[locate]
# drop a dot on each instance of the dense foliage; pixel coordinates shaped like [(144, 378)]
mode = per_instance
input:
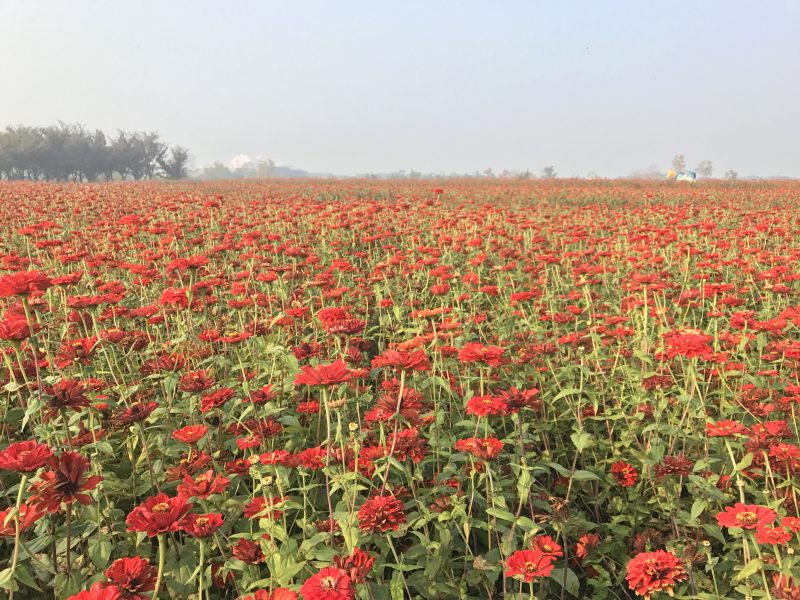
[(71, 152), (346, 390)]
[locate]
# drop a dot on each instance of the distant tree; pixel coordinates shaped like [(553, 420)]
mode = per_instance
[(679, 162), (549, 172), (705, 168), (217, 171), (265, 168), (731, 175), (174, 167), (526, 174)]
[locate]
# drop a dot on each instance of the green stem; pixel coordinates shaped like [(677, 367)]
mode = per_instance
[(160, 565), (202, 568), (17, 529)]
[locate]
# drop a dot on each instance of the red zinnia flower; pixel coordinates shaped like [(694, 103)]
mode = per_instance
[(746, 516), (357, 565), (28, 515), (381, 513), (690, 343), (25, 457), (658, 571), (66, 483), (483, 448), (158, 514), (190, 434), (248, 551), (203, 486), (403, 360), (276, 594), (772, 535), (201, 526), (134, 576), (99, 591), (530, 564), (625, 474), (24, 283), (332, 374), (328, 584), (547, 546), (475, 352), (725, 428), (485, 406)]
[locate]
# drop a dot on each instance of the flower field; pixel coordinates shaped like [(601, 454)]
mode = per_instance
[(389, 390)]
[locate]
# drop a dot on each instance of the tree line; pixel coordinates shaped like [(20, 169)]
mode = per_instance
[(70, 152)]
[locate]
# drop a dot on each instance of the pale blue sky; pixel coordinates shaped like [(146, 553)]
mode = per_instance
[(351, 87)]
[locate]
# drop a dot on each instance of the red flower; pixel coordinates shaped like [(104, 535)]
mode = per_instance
[(381, 513), (483, 448), (585, 544), (725, 428), (690, 343), (357, 565), (332, 374), (23, 283), (746, 516), (529, 564), (474, 352), (277, 594), (658, 571), (158, 514), (203, 486), (485, 406), (99, 591), (25, 457), (403, 360), (201, 526), (248, 551), (66, 483), (29, 514), (625, 474), (328, 584), (772, 535), (190, 434), (547, 546), (134, 576)]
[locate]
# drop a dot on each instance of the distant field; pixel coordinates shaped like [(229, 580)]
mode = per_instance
[(355, 389)]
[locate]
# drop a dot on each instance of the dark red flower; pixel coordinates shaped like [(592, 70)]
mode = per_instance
[(134, 576), (381, 514), (66, 483), (28, 514)]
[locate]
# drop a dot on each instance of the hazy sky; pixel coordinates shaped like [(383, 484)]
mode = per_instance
[(351, 87)]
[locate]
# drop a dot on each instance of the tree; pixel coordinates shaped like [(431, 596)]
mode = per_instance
[(731, 175), (549, 172), (175, 166), (217, 171), (705, 168), (679, 163)]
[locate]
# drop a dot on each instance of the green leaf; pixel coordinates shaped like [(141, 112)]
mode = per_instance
[(99, 552), (584, 476), (698, 506), (568, 579), (25, 577), (7, 581), (581, 440), (749, 569), (396, 587), (501, 514)]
